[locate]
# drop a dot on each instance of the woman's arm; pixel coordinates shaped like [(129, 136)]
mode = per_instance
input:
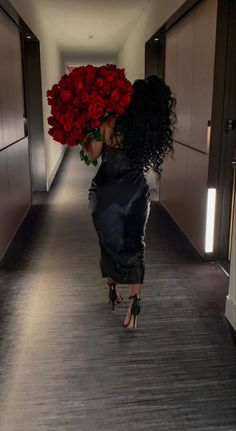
[(93, 148)]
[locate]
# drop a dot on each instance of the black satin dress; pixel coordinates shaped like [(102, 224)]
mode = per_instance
[(119, 202)]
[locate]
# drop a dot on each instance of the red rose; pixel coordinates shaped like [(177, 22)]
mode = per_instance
[(119, 84), (90, 75), (115, 95), (101, 92), (111, 106), (71, 141), (106, 85), (121, 74), (62, 119), (78, 125), (57, 135), (67, 127), (96, 108), (54, 111), (99, 82), (120, 109), (125, 99), (66, 95), (110, 76), (127, 87), (78, 86), (51, 121), (111, 66), (76, 101), (85, 96), (69, 116), (53, 92), (94, 124), (81, 99), (102, 70)]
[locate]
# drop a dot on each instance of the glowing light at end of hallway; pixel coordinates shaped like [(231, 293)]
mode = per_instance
[(210, 220)]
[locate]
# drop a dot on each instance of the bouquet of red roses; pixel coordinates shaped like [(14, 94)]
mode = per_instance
[(82, 100)]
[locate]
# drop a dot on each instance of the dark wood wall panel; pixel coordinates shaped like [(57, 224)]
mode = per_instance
[(17, 83), (5, 232), (203, 73), (15, 179), (189, 70), (184, 70), (11, 85), (6, 89), (15, 190), (25, 175)]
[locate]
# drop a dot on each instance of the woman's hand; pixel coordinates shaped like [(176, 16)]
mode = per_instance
[(93, 148)]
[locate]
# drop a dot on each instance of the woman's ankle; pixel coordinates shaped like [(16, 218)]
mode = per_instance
[(135, 289), (110, 281)]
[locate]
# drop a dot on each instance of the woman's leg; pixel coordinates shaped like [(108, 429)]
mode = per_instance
[(134, 289), (110, 281)]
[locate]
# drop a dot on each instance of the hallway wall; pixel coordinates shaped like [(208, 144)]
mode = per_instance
[(189, 70), (51, 72), (15, 184), (132, 55), (230, 306), (80, 59)]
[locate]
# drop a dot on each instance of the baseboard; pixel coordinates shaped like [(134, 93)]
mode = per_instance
[(230, 312), (53, 174), (15, 232)]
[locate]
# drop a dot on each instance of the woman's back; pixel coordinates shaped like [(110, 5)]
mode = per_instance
[(116, 164)]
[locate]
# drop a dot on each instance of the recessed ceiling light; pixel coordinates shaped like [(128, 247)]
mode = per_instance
[(156, 39), (28, 37)]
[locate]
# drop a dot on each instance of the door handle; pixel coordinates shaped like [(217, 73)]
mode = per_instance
[(230, 125)]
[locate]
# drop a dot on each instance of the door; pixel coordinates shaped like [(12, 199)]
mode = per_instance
[(228, 143)]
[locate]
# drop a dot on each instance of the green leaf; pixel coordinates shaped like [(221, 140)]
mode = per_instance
[(98, 136), (82, 154), (87, 161), (84, 157), (95, 134)]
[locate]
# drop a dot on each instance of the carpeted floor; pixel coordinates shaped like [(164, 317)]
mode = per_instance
[(66, 362)]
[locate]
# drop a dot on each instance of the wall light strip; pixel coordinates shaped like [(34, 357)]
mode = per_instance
[(210, 220)]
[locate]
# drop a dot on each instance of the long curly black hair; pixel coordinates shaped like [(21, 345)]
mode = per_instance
[(148, 124)]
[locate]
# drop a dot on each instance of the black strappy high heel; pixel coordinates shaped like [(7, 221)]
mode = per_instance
[(135, 310), (113, 297)]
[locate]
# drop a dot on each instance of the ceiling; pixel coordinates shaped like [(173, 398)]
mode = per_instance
[(109, 21)]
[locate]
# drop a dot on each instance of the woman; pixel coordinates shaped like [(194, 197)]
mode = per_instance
[(119, 197)]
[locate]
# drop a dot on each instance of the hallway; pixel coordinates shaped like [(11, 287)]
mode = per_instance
[(67, 363)]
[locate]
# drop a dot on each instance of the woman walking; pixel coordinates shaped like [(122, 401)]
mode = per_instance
[(119, 198)]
